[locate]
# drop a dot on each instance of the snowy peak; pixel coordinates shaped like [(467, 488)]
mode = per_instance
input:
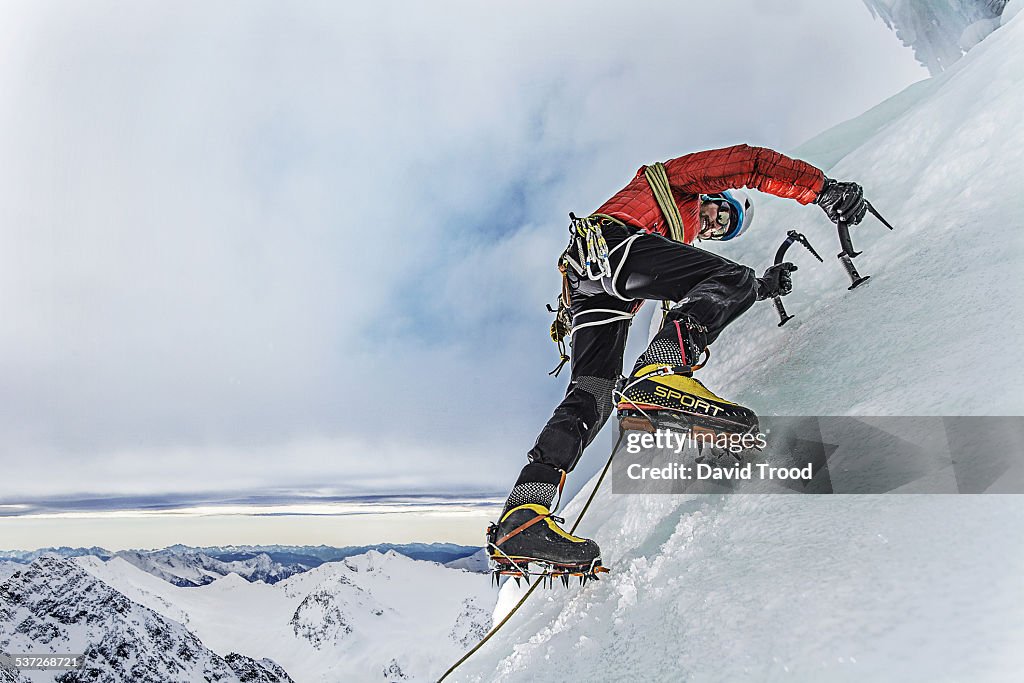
[(477, 562), (473, 622), (326, 616), (56, 606), (364, 601), (190, 567), (251, 670)]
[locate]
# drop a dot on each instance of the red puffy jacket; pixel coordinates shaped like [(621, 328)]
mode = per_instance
[(710, 172)]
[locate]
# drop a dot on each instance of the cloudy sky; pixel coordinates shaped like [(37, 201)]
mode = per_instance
[(266, 252)]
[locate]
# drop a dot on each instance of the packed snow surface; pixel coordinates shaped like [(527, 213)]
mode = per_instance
[(937, 328), (796, 588)]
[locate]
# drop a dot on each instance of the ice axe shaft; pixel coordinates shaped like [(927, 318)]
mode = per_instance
[(856, 278), (848, 253), (791, 237), (844, 231), (781, 310)]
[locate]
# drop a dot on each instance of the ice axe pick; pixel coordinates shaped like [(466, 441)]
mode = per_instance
[(791, 237)]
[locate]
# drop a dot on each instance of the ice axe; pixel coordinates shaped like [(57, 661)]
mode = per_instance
[(791, 237), (848, 253)]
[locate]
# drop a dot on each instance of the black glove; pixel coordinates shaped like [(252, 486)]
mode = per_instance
[(842, 201), (776, 281)]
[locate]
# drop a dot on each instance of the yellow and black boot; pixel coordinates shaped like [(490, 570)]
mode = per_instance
[(528, 532), (664, 397), (662, 392)]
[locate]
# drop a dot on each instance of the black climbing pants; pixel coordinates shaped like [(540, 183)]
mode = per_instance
[(711, 290)]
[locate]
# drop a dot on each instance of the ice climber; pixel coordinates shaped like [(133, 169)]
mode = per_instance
[(637, 246)]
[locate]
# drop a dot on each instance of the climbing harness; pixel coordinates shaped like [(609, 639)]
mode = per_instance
[(589, 257)]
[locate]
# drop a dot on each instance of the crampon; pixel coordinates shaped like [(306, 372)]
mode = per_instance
[(517, 563), (519, 569)]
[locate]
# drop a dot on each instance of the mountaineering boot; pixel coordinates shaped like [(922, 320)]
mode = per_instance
[(662, 392), (660, 396), (527, 531)]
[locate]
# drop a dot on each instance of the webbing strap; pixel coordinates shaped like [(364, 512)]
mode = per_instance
[(682, 347), (521, 528)]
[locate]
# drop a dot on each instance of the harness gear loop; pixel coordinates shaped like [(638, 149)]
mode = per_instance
[(591, 249), (562, 324)]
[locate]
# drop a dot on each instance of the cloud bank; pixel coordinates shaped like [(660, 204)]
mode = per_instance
[(251, 245)]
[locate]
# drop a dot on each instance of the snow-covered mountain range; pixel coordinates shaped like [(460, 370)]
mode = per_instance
[(183, 565), (370, 617), (199, 569)]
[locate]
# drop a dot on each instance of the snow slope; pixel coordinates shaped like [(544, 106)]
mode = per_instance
[(935, 330), (477, 562), (9, 569), (796, 588), (837, 588)]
